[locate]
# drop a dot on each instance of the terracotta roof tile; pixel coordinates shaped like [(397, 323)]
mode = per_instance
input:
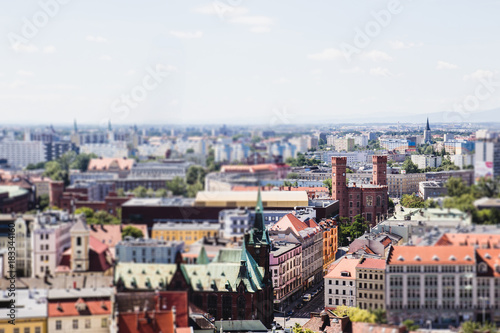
[(372, 263), (104, 164), (432, 255), (344, 265), (289, 221), (68, 308)]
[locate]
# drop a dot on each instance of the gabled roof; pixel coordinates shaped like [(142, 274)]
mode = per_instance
[(492, 258), (481, 240), (80, 225), (371, 263), (344, 265), (289, 221), (69, 307), (111, 234)]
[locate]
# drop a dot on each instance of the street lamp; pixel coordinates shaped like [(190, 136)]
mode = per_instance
[(284, 318)]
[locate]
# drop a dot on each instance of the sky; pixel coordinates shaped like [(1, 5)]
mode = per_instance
[(245, 62)]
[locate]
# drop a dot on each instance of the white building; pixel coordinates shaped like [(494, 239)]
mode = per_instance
[(50, 237), (116, 149), (462, 160), (21, 153), (424, 161), (340, 283)]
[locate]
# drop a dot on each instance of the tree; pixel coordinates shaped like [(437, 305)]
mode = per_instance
[(140, 192), (292, 175), (177, 186), (412, 201), (488, 187), (192, 190), (473, 327), (161, 193), (390, 205), (410, 325), (328, 184), (355, 314), (103, 217), (429, 203), (81, 161), (120, 192), (194, 174), (43, 201), (40, 165), (88, 212), (380, 316), (54, 171), (456, 187), (409, 166), (348, 232), (132, 231)]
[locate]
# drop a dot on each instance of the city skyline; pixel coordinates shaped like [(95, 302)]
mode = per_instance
[(235, 62)]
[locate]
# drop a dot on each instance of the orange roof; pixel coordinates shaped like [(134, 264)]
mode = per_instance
[(104, 164), (386, 242), (482, 240), (311, 223), (111, 234), (431, 255), (310, 189), (492, 258), (68, 308), (251, 168), (344, 265), (372, 263), (130, 322), (289, 221)]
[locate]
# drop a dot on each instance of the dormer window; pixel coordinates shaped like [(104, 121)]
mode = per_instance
[(400, 258), (482, 268)]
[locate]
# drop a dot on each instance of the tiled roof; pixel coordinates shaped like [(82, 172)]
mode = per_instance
[(70, 308), (131, 322), (111, 234), (431, 255), (344, 265), (104, 164), (492, 258), (289, 221), (371, 263), (481, 240)]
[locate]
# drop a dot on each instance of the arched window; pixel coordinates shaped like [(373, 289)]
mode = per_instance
[(378, 200), (483, 268), (241, 302), (369, 200), (227, 306), (212, 305)]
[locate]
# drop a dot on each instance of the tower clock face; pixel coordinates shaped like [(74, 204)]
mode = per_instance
[(343, 174)]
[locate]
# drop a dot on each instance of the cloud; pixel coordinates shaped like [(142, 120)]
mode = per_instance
[(326, 54), (281, 80), (354, 70), (25, 48), (479, 74), (166, 68), (376, 55), (259, 24), (49, 49), (221, 9), (96, 39), (130, 72), (380, 71), (106, 57), (397, 44), (25, 73), (317, 71), (445, 65), (186, 34)]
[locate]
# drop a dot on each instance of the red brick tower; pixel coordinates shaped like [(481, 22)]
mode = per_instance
[(339, 186), (379, 170)]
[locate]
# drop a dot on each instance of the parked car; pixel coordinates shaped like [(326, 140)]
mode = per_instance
[(299, 306), (289, 313), (306, 297)]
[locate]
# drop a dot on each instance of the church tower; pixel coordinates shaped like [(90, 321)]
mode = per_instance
[(427, 133), (80, 237)]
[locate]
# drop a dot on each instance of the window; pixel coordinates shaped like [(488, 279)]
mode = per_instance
[(104, 322), (369, 200), (38, 329), (58, 325), (27, 330), (78, 242), (75, 324), (87, 323), (16, 330)]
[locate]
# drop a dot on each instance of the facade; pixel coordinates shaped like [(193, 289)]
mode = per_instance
[(50, 237), (184, 231), (368, 200), (21, 153), (466, 175), (310, 236), (119, 166), (431, 189), (459, 147), (147, 251), (344, 144), (370, 281), (80, 310), (330, 242), (340, 283), (285, 263), (436, 283), (401, 183), (399, 145), (54, 150), (463, 160), (487, 163), (427, 161)]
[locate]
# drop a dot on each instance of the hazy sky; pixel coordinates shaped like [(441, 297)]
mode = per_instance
[(242, 61)]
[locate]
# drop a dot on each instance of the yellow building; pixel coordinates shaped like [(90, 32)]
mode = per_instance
[(370, 283), (330, 243), (232, 199), (187, 232), (31, 312)]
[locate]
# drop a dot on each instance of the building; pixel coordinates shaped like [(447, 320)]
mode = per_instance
[(435, 283), (340, 283), (459, 147), (404, 183), (399, 145), (427, 133), (330, 242), (185, 231), (466, 175), (119, 166), (14, 199), (375, 243), (432, 189), (54, 150), (310, 236), (21, 153), (285, 263), (31, 311), (367, 200), (427, 161), (463, 161), (370, 281), (111, 234), (81, 310), (147, 250), (344, 144), (487, 157), (50, 238)]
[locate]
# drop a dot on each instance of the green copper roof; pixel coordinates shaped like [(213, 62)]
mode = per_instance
[(202, 257)]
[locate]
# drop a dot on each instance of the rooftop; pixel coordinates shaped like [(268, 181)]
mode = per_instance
[(249, 199), (345, 268), (30, 303), (431, 255), (160, 202), (13, 191)]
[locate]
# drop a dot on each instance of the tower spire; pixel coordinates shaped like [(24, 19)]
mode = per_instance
[(75, 128), (202, 257), (428, 128), (258, 223)]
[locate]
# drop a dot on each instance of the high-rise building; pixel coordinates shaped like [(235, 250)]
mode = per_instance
[(487, 161)]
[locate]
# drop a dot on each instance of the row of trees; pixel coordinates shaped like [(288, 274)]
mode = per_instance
[(99, 217), (302, 160), (446, 165)]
